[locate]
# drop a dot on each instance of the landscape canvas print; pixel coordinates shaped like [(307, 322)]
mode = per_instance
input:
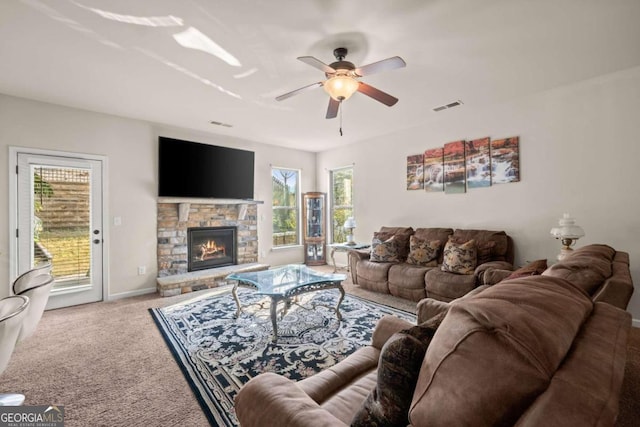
[(434, 170), (454, 168), (415, 172), (478, 163), (505, 160)]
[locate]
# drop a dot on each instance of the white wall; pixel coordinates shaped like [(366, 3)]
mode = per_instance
[(579, 153), (131, 149)]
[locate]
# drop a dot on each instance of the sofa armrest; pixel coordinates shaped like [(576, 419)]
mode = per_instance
[(387, 326), (353, 256), (271, 400), (359, 253), (429, 307), (500, 265), (492, 276)]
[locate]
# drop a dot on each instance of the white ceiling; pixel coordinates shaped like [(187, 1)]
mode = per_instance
[(479, 51)]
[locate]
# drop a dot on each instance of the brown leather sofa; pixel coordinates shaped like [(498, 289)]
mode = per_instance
[(533, 351), (417, 282), (599, 269)]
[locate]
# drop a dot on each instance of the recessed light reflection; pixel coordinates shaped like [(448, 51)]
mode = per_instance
[(245, 74), (193, 39), (148, 21)]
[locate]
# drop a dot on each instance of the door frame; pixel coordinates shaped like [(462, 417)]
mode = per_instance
[(13, 208)]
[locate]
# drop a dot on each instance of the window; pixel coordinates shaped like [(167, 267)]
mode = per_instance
[(341, 202), (285, 184)]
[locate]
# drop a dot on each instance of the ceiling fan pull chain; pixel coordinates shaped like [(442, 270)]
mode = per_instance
[(340, 118)]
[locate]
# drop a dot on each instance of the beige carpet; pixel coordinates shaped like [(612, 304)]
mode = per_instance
[(109, 366)]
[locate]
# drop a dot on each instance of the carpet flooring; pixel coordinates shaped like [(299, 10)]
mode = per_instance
[(108, 364)]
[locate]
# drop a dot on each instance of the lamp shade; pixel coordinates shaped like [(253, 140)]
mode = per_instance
[(350, 223), (568, 229), (341, 87)]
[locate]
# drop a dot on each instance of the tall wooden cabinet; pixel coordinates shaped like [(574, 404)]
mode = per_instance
[(314, 222)]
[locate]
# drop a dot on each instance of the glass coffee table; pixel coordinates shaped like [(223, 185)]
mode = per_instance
[(285, 283)]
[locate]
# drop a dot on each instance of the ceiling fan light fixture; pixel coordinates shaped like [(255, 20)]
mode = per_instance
[(341, 87)]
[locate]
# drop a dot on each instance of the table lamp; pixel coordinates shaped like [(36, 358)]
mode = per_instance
[(349, 225), (568, 233)]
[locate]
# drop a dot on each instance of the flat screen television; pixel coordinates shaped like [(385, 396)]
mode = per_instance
[(192, 169)]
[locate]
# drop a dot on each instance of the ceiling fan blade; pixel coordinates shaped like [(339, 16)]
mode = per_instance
[(384, 65), (316, 63), (377, 94), (332, 111), (297, 91)]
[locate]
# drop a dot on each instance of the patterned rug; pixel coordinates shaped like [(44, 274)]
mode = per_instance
[(218, 353)]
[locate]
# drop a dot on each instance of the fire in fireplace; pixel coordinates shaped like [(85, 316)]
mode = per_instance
[(210, 247)]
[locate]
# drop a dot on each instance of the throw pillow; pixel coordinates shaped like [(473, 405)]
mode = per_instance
[(460, 258), (532, 269), (423, 252), (398, 369), (386, 251), (402, 241)]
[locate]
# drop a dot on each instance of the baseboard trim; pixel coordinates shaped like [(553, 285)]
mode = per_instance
[(635, 323), (129, 294)]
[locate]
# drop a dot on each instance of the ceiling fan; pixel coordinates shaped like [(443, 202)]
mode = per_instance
[(342, 79)]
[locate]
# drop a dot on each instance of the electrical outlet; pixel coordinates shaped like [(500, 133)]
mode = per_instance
[(117, 220), (142, 270)]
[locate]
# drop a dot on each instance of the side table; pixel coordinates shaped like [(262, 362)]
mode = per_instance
[(343, 247)]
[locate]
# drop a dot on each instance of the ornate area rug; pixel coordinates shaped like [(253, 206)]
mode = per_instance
[(218, 353)]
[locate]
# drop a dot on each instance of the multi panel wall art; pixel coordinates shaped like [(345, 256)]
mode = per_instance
[(462, 165)]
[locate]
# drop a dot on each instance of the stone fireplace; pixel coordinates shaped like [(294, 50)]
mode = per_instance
[(201, 241), (210, 247)]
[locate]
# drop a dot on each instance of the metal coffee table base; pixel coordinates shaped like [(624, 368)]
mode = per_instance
[(287, 297)]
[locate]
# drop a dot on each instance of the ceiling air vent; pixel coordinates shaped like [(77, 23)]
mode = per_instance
[(449, 105), (227, 125)]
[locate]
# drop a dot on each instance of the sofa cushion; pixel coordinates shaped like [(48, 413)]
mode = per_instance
[(423, 252), (534, 268), (586, 267), (445, 286), (496, 352), (485, 252), (498, 251), (384, 251), (407, 281), (460, 258), (398, 368), (373, 275)]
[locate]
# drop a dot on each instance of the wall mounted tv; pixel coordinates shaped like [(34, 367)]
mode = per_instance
[(191, 169)]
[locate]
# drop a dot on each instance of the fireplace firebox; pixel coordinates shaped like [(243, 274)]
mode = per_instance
[(211, 247)]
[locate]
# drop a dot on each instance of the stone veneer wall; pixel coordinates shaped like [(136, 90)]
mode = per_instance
[(172, 233)]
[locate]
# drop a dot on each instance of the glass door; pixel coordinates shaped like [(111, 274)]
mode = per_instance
[(60, 221)]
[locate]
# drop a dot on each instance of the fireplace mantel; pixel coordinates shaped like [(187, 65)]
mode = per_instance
[(209, 201), (184, 204)]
